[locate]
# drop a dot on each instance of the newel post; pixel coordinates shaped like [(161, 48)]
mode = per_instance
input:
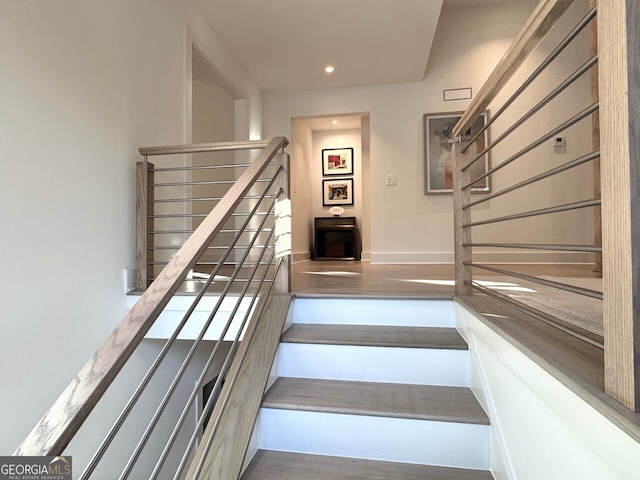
[(283, 224), (461, 217), (144, 224), (619, 50)]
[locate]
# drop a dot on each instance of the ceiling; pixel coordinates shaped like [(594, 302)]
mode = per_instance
[(285, 44)]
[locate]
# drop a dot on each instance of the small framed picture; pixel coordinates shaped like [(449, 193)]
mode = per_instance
[(337, 191), (337, 161), (438, 156)]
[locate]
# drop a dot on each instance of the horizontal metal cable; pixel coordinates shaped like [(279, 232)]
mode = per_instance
[(529, 278), (539, 246), (182, 184), (203, 182), (202, 199), (202, 167), (547, 61), (545, 101), (533, 213), (202, 215), (577, 332), (572, 121), (201, 263), (537, 178), (238, 280), (177, 247), (172, 232), (247, 263)]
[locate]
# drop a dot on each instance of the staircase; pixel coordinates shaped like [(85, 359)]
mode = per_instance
[(371, 388)]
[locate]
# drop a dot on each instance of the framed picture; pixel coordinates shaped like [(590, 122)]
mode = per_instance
[(337, 191), (438, 155), (337, 161)]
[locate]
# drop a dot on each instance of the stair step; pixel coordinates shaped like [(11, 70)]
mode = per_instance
[(275, 465), (375, 335), (371, 380), (423, 402)]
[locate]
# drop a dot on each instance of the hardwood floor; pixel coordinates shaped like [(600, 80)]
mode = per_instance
[(376, 335), (270, 465), (422, 402), (364, 278)]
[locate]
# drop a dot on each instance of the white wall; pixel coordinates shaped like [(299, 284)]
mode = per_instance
[(83, 85), (467, 46), (301, 152), (540, 428), (336, 139)]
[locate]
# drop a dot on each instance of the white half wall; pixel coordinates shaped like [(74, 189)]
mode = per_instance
[(540, 428)]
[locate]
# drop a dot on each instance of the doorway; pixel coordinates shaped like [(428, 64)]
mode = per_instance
[(309, 136)]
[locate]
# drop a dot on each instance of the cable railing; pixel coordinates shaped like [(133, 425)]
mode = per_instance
[(543, 192), (177, 191), (138, 408)]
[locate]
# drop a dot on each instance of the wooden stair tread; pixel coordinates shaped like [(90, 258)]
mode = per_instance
[(375, 335), (422, 402), (274, 465)]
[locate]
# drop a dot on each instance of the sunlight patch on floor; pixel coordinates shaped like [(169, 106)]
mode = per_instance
[(449, 283), (334, 274), (494, 315), (511, 287)]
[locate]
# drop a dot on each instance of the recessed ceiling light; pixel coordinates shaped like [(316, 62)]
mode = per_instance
[(329, 69)]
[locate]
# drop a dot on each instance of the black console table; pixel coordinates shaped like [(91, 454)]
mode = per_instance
[(336, 238)]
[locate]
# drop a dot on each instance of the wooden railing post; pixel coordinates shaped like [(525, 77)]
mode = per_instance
[(595, 135), (462, 236), (283, 225), (619, 50), (144, 224)]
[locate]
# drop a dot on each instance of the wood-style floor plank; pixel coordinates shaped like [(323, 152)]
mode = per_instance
[(375, 335), (423, 402), (272, 465)]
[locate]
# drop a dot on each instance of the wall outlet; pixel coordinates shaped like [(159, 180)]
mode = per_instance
[(559, 142), (391, 180)]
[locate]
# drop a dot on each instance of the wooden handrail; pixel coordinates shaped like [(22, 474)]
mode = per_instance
[(203, 147), (540, 22), (58, 426)]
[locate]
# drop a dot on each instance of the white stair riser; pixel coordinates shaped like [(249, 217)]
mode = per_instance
[(174, 312), (425, 313), (374, 364), (168, 321), (377, 438)]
